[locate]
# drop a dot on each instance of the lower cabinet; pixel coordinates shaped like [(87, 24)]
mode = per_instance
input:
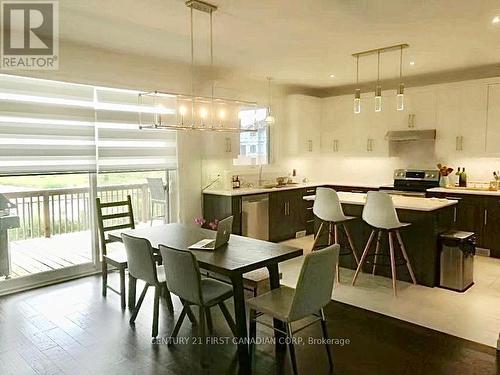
[(286, 214), (479, 214), (218, 207)]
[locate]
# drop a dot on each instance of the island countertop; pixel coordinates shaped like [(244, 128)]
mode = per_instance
[(400, 202)]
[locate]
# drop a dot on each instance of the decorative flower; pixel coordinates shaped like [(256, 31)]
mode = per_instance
[(200, 221)]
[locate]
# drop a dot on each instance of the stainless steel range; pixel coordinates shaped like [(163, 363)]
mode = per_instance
[(413, 182)]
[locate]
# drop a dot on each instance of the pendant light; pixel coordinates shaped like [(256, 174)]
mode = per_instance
[(401, 88), (269, 118), (378, 88), (357, 92)]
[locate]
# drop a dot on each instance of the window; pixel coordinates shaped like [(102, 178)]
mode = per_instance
[(254, 146)]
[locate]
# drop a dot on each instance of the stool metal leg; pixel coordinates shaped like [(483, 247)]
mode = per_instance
[(316, 238), (408, 264), (393, 263), (363, 257), (377, 251)]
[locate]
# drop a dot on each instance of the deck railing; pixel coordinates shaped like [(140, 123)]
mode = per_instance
[(47, 212)]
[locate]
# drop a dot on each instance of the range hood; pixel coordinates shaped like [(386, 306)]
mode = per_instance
[(411, 135)]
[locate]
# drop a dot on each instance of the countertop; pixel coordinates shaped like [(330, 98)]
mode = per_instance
[(463, 191), (400, 202), (250, 191)]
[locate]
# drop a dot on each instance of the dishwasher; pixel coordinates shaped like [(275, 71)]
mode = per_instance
[(255, 216)]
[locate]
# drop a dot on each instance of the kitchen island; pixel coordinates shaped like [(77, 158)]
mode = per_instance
[(429, 217)]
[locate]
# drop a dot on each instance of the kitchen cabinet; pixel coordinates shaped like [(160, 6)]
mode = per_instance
[(303, 121), (218, 207), (479, 214), (461, 120), (493, 120), (221, 144), (492, 225), (347, 133), (286, 214)]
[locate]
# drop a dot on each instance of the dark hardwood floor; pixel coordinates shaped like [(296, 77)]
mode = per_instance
[(70, 329)]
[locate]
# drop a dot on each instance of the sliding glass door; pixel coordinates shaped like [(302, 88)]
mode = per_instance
[(62, 145)]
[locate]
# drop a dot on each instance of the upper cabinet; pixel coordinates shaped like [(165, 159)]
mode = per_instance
[(303, 121), (221, 144), (493, 120), (345, 133), (461, 120)]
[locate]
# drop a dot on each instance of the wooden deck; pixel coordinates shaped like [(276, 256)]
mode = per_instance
[(45, 254)]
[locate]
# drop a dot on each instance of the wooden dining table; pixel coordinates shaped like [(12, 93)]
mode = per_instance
[(238, 256)]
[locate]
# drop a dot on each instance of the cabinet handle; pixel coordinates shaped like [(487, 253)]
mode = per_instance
[(459, 143), (284, 208), (485, 217), (311, 191), (288, 208), (456, 144), (335, 145), (357, 191), (455, 215), (309, 145), (228, 144)]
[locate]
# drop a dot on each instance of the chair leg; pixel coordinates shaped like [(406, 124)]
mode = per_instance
[(405, 255), (377, 252), (393, 263), (189, 312), (229, 318), (252, 331), (104, 266), (139, 304), (168, 298), (325, 336), (363, 257), (316, 238), (291, 349), (132, 284), (122, 288), (210, 324), (178, 325), (330, 236), (156, 311), (351, 243), (202, 335)]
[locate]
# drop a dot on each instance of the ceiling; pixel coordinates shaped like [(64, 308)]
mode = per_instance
[(296, 42)]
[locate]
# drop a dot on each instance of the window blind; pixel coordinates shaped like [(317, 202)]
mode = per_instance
[(58, 127)]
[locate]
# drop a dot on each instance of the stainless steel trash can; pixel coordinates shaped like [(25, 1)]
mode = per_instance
[(457, 260)]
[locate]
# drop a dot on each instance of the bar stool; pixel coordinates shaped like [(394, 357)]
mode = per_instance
[(328, 209), (380, 214)]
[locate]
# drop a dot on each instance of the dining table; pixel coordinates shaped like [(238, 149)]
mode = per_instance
[(238, 256)]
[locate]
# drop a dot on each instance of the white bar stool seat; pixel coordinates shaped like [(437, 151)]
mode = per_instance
[(328, 209), (379, 213)]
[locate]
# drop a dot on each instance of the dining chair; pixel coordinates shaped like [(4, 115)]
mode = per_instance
[(184, 280), (312, 293), (114, 216), (158, 198), (142, 266)]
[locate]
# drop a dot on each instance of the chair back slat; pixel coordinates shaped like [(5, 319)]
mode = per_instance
[(182, 273), (140, 258), (315, 284), (107, 221)]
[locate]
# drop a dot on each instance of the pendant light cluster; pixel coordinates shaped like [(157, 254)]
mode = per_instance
[(194, 112), (378, 87)]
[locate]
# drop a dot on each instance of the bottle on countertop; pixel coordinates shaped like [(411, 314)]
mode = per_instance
[(457, 182), (463, 179), (236, 182)]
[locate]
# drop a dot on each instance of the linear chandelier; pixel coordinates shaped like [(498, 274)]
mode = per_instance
[(195, 112), (378, 87)]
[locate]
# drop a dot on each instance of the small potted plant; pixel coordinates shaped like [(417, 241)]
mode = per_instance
[(444, 173), (203, 223)]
